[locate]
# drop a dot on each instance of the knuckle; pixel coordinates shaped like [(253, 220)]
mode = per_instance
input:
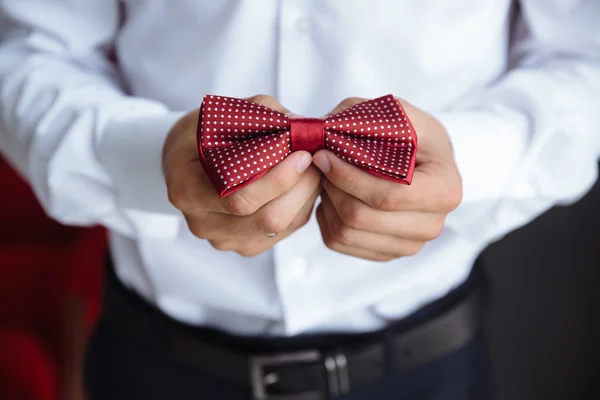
[(451, 194), (270, 222), (452, 198), (331, 244), (237, 204), (201, 233), (305, 220), (198, 229), (389, 201), (350, 184), (249, 252), (412, 248), (176, 194), (342, 235), (262, 99), (221, 245), (301, 220), (281, 184), (350, 101), (351, 214), (431, 231), (177, 198)]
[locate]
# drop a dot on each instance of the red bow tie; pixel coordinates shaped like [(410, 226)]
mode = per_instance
[(239, 141)]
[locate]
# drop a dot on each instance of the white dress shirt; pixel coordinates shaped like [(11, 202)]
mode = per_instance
[(89, 90)]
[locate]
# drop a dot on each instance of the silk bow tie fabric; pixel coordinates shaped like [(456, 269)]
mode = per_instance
[(239, 140)]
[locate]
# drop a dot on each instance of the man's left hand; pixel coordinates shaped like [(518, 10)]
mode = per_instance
[(376, 219)]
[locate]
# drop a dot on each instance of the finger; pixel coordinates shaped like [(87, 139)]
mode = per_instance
[(269, 101), (253, 245), (278, 181), (278, 215), (428, 191), (301, 218), (275, 217), (340, 248), (190, 190), (180, 146), (353, 238), (347, 103), (409, 225)]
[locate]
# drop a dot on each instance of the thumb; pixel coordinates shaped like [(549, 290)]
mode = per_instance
[(350, 178)]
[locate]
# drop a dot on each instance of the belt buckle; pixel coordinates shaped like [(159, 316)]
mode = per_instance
[(334, 365)]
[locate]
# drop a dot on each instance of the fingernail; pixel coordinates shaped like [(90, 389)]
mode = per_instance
[(303, 162), (322, 162)]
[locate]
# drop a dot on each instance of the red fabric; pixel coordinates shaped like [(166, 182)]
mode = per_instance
[(307, 134), (45, 268), (23, 220), (23, 283), (83, 280), (239, 141), (26, 370)]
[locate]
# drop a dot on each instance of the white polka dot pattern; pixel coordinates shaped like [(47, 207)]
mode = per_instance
[(239, 141), (375, 135)]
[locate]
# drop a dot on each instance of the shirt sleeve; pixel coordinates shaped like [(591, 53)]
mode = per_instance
[(91, 153), (532, 139)]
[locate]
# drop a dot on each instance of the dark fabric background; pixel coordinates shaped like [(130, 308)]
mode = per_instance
[(545, 307)]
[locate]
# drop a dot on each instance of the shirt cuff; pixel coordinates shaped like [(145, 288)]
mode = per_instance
[(130, 150), (488, 145)]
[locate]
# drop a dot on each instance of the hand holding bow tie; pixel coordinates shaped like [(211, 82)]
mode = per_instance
[(376, 219), (265, 183), (280, 202)]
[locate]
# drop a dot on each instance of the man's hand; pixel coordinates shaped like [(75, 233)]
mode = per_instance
[(280, 202), (372, 218)]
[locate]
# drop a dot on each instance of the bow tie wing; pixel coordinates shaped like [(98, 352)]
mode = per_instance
[(233, 166), (376, 136), (239, 141)]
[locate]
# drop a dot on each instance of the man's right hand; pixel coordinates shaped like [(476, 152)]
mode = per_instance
[(279, 202)]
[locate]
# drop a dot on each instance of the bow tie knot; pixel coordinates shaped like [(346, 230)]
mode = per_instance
[(307, 134), (239, 141)]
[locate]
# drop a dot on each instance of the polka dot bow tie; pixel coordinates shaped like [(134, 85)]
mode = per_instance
[(239, 141)]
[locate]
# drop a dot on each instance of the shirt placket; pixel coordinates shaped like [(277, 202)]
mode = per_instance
[(297, 282)]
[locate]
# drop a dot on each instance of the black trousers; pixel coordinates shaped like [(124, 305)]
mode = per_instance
[(117, 367)]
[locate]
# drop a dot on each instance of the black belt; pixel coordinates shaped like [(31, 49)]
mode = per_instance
[(308, 374)]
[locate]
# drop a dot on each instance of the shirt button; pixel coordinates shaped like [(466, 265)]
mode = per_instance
[(298, 267), (302, 24)]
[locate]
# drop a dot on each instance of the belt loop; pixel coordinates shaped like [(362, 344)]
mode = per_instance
[(341, 363), (333, 384), (338, 378)]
